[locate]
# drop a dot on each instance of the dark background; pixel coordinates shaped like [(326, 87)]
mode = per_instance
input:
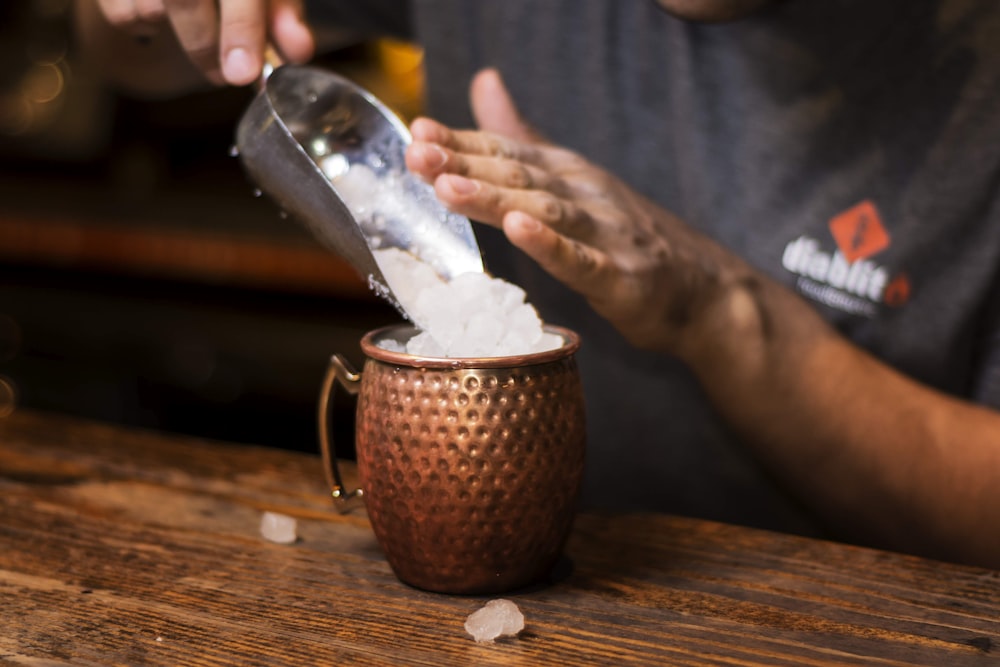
[(142, 280)]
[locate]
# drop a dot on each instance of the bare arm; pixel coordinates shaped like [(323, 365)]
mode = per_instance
[(887, 460), (883, 458)]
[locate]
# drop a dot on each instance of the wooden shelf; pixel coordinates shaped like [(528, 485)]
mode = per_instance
[(178, 253)]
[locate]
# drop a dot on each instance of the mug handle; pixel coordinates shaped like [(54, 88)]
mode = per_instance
[(338, 370)]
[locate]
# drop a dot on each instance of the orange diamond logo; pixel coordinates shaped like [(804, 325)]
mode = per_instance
[(859, 232)]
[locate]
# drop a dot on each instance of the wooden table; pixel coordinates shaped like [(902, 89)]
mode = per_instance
[(135, 548)]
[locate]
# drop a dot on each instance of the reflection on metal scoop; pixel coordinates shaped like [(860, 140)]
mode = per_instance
[(328, 152)]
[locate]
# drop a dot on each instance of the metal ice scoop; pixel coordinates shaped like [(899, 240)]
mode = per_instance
[(331, 154)]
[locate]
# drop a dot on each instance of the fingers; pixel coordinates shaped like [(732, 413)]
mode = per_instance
[(501, 169), (119, 13), (242, 32), (476, 142), (225, 39), (431, 160), (485, 176), (494, 109), (579, 266), (150, 11), (136, 17), (489, 203), (196, 24), (290, 32)]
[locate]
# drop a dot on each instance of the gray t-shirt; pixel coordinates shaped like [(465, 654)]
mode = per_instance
[(850, 150)]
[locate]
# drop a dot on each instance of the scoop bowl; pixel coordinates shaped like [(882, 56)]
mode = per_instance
[(305, 131)]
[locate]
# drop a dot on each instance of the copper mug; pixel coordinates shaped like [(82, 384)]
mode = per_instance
[(469, 468)]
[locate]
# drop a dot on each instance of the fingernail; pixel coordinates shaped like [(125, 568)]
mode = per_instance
[(435, 156), (239, 66), (462, 186), (526, 222)]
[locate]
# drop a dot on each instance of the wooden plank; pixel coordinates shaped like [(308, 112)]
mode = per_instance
[(129, 547)]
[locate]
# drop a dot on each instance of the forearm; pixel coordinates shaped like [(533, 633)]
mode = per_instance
[(883, 458)]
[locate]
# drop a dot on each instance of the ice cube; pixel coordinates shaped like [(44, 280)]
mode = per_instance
[(392, 345), (333, 166), (357, 185), (547, 342), (496, 619), (278, 528), (424, 345), (509, 296), (523, 321), (482, 333)]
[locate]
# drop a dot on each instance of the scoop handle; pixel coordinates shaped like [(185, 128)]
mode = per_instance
[(339, 370), (272, 61)]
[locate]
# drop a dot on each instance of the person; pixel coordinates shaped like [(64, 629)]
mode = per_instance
[(776, 226)]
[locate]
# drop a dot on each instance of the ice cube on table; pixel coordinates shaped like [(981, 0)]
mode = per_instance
[(496, 619), (278, 528)]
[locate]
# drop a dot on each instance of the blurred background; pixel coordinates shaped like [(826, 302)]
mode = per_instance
[(143, 280)]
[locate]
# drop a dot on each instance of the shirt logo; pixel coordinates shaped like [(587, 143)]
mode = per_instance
[(859, 232), (847, 278)]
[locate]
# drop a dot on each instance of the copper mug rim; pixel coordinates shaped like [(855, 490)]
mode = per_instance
[(371, 348)]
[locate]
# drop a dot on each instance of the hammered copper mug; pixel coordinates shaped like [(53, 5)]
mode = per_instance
[(469, 468)]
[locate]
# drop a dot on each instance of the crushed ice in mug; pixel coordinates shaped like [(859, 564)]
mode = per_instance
[(471, 315), (497, 618)]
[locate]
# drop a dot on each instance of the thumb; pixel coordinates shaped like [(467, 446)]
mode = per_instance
[(494, 110)]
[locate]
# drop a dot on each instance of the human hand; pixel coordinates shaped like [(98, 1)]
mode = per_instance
[(771, 366), (224, 39), (637, 264)]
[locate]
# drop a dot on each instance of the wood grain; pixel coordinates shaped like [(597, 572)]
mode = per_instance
[(134, 548)]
